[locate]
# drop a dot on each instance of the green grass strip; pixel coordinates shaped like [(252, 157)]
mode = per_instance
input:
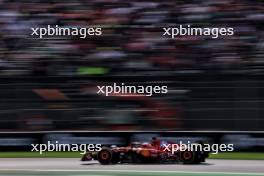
[(238, 156), (38, 155)]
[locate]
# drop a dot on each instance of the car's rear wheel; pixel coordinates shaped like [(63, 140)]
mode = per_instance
[(187, 157), (105, 156)]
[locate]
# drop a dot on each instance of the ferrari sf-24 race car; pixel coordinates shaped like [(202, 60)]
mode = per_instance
[(145, 153)]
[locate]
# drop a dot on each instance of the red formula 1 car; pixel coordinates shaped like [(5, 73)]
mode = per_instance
[(146, 153)]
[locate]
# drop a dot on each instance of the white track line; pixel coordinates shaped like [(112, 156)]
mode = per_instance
[(194, 131), (132, 171)]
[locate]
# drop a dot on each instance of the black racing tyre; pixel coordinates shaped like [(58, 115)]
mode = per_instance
[(105, 156), (187, 157)]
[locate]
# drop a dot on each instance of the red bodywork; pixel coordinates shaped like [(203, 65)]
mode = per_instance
[(147, 150), (156, 151)]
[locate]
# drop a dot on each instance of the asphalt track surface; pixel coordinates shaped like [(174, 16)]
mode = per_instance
[(23, 166)]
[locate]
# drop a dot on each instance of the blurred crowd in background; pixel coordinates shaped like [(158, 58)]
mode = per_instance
[(132, 36), (131, 45)]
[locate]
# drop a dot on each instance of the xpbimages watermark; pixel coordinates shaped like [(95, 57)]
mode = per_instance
[(188, 30), (58, 147), (214, 148), (127, 90), (83, 32)]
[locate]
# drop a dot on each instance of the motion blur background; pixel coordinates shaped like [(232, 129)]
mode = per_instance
[(50, 84)]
